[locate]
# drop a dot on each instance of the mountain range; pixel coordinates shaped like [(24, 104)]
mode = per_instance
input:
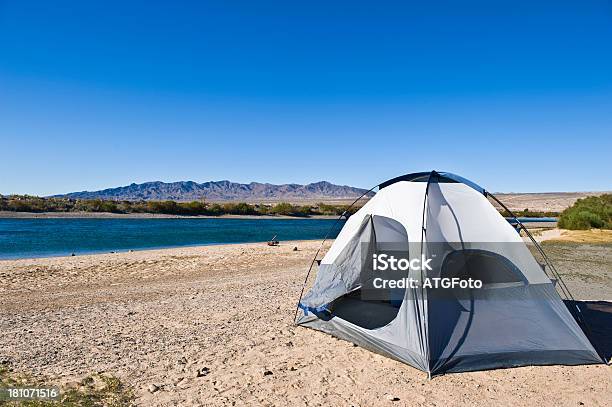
[(222, 191)]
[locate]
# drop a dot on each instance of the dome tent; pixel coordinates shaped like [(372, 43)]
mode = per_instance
[(516, 318)]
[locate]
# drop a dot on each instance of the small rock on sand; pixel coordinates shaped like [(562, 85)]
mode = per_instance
[(201, 372), (391, 397), (153, 388)]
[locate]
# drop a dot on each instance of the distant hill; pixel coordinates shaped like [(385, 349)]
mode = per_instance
[(222, 191)]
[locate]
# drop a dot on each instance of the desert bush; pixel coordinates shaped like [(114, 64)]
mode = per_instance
[(587, 213), (193, 208), (108, 206), (305, 210), (241, 208), (25, 203), (165, 207), (326, 209), (96, 205), (215, 209), (287, 209), (283, 208), (263, 209)]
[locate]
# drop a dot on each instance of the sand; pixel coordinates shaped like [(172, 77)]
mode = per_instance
[(580, 236), (160, 316), (543, 201)]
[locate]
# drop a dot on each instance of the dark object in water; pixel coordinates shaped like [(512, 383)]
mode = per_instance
[(73, 254), (273, 241)]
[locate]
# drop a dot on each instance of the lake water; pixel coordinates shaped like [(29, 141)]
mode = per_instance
[(23, 238), (533, 220)]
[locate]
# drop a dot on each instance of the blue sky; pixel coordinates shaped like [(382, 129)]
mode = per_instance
[(513, 95)]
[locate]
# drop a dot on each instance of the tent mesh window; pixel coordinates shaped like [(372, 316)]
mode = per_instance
[(359, 307), (488, 267)]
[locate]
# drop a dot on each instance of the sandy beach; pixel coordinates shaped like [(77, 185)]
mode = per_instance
[(213, 326)]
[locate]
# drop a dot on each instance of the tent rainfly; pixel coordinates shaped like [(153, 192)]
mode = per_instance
[(516, 318)]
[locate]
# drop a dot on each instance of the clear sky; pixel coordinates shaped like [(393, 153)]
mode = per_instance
[(514, 95)]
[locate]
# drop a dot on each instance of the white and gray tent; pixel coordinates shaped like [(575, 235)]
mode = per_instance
[(517, 318)]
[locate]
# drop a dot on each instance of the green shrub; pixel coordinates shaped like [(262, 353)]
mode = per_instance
[(305, 210), (193, 208), (241, 208), (283, 208), (129, 207), (215, 210), (326, 209), (587, 213), (287, 209), (26, 203), (165, 207)]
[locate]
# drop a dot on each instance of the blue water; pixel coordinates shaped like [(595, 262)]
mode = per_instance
[(23, 238), (525, 220)]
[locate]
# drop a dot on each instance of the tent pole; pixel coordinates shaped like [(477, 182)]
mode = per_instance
[(564, 287), (538, 247), (297, 306), (423, 234)]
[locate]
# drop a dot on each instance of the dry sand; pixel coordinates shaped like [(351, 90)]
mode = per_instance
[(580, 236), (543, 201), (157, 317)]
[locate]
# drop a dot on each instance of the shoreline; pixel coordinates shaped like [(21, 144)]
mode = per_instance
[(214, 326), (110, 215), (153, 250)]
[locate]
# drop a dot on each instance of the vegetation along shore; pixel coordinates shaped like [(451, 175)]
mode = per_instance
[(32, 204), (585, 213)]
